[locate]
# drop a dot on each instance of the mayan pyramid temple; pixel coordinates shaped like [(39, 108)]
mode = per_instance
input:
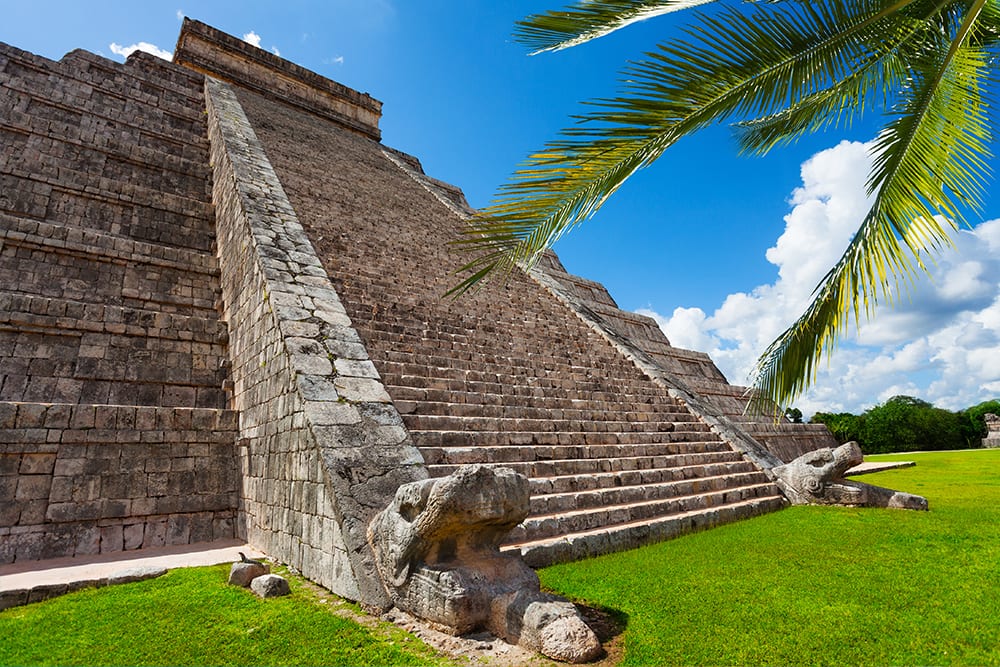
[(222, 315)]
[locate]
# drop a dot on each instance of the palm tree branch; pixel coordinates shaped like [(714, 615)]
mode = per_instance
[(912, 157), (671, 96), (588, 20)]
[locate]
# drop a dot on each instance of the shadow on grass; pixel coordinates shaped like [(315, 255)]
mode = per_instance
[(609, 626)]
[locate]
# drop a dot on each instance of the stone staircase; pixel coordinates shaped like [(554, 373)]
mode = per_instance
[(691, 371), (506, 376), (115, 431)]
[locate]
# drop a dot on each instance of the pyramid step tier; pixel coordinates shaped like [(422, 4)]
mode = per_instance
[(701, 482), (566, 474), (577, 545), (85, 266)]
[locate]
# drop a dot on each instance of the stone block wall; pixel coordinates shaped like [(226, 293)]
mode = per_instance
[(86, 479), (115, 431)]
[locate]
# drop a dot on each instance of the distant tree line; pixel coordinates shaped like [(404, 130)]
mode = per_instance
[(907, 424)]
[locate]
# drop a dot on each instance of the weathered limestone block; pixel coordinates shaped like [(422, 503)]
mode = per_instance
[(992, 439), (243, 573), (270, 586), (437, 550), (817, 478)]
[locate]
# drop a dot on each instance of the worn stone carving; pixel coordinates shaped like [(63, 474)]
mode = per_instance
[(437, 550), (992, 439), (817, 478)]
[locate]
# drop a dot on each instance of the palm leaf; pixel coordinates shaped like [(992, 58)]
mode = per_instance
[(930, 164), (590, 19), (737, 63)]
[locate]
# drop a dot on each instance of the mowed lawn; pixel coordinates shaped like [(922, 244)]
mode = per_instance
[(820, 585), (804, 586), (192, 617)]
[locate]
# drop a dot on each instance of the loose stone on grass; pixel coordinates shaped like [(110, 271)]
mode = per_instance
[(270, 586), (243, 573)]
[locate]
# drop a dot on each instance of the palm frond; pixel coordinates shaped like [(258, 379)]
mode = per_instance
[(930, 164), (736, 63), (590, 19)]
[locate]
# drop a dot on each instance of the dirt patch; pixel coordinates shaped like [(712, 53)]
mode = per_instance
[(485, 649), (482, 649)]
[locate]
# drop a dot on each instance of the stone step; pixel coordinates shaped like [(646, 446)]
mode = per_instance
[(526, 384), (410, 398), (472, 343), (591, 481), (599, 541), (643, 412), (85, 266), (609, 422), (571, 473), (413, 375), (542, 453), (539, 527), (551, 504), (412, 363), (461, 391), (500, 440)]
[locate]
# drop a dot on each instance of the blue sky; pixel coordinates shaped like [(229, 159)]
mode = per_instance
[(723, 250)]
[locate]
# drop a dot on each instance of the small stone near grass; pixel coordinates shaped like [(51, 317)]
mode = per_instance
[(242, 573), (270, 586)]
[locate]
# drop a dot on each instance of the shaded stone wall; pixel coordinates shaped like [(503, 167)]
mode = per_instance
[(114, 427)]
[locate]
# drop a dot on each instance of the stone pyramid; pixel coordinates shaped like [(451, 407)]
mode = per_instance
[(222, 314)]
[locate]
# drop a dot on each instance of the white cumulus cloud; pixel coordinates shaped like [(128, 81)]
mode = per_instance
[(146, 47), (254, 39), (940, 340)]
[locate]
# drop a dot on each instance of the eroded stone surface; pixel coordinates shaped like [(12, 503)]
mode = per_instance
[(243, 573), (270, 586), (817, 478), (992, 439), (437, 550)]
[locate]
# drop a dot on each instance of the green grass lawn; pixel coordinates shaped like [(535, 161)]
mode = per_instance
[(804, 586), (191, 617), (820, 585)]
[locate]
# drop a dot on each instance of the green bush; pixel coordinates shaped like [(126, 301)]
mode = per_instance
[(907, 424), (976, 424), (844, 426)]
